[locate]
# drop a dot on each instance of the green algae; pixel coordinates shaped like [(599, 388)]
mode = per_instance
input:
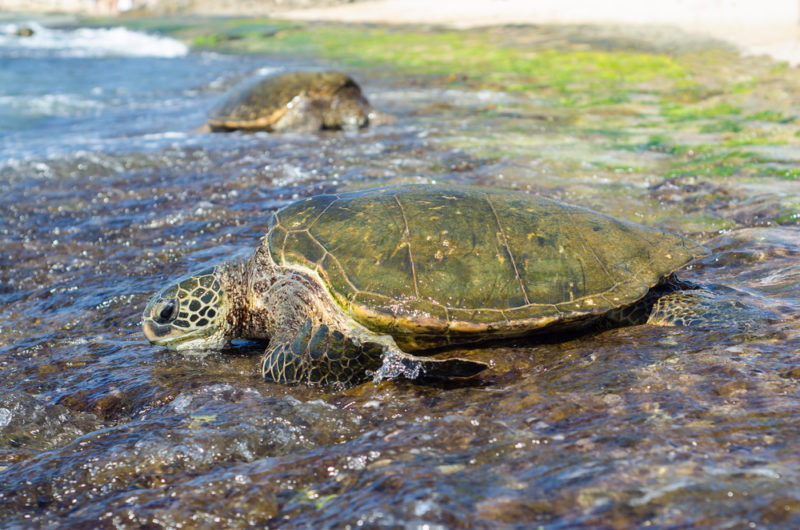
[(684, 113), (587, 108), (749, 138), (789, 174), (790, 218), (450, 51), (722, 126), (569, 76), (771, 116)]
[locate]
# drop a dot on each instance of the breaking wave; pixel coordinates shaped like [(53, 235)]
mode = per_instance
[(85, 42)]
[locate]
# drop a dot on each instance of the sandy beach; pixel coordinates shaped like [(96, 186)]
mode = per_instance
[(770, 27)]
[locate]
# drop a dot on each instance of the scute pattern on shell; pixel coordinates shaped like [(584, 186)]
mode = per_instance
[(429, 260), (262, 101)]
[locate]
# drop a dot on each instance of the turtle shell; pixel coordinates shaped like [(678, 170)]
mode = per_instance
[(426, 261), (260, 102)]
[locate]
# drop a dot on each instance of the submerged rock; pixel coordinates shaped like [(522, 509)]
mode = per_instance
[(28, 425)]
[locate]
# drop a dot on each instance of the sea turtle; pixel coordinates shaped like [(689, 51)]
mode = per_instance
[(293, 101), (24, 31), (347, 284)]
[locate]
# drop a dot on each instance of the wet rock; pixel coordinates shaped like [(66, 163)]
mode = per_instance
[(200, 430), (509, 509), (792, 373), (28, 425)]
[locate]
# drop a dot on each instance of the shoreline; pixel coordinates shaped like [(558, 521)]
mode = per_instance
[(771, 28)]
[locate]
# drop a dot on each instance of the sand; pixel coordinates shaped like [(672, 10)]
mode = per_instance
[(769, 27)]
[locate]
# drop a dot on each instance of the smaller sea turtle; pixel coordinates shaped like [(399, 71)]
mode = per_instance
[(293, 101), (347, 284)]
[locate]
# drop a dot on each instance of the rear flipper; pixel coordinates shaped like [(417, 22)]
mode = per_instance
[(708, 309), (400, 365), (317, 354)]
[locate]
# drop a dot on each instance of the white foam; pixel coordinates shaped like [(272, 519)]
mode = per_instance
[(88, 42), (50, 104)]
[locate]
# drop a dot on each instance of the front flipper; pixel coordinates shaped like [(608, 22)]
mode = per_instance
[(317, 354)]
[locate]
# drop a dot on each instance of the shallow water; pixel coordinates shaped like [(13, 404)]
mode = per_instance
[(106, 193)]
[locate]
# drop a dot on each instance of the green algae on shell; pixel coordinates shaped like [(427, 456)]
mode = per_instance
[(292, 101)]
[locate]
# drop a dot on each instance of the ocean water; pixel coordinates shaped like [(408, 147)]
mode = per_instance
[(111, 90), (109, 189)]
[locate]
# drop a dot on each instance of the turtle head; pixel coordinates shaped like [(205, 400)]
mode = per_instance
[(189, 314)]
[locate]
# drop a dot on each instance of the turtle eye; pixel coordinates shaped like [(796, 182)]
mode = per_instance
[(167, 312)]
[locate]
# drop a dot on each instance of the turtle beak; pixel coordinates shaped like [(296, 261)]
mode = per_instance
[(157, 318), (154, 331)]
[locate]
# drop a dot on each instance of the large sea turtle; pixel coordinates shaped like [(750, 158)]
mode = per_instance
[(293, 101), (347, 284)]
